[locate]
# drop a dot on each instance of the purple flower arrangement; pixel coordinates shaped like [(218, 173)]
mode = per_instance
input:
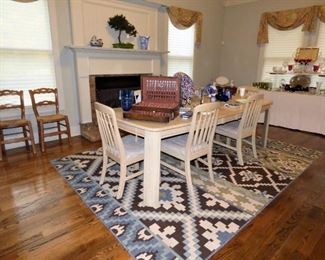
[(187, 86)]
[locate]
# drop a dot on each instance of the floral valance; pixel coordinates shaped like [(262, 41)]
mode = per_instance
[(290, 19), (183, 18)]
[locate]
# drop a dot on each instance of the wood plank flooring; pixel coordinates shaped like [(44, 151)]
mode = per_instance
[(41, 217)]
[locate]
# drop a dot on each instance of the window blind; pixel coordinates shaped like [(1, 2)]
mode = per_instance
[(281, 47), (321, 39), (181, 48), (26, 60)]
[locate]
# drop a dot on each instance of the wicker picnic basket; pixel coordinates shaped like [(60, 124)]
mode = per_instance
[(160, 99)]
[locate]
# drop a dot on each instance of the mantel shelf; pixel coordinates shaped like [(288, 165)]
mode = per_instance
[(88, 49)]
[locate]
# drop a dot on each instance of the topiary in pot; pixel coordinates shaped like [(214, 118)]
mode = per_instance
[(120, 23)]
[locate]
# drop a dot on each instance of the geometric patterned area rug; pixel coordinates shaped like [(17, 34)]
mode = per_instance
[(185, 226)]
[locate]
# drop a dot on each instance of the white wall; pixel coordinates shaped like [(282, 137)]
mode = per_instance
[(239, 51), (67, 65)]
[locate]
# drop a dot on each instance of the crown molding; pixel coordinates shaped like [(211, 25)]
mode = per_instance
[(227, 3)]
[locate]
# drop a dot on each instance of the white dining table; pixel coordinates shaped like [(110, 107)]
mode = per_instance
[(154, 132)]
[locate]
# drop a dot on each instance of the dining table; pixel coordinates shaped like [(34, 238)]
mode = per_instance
[(154, 132)]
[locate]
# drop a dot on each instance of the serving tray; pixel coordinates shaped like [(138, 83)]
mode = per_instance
[(155, 116)]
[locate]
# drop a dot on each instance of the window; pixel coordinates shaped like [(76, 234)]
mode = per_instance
[(282, 46), (320, 42), (181, 48), (26, 59)]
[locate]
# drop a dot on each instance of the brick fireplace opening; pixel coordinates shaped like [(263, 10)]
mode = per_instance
[(105, 88)]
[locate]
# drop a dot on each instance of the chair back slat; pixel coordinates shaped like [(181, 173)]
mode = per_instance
[(208, 128), (252, 110), (197, 130), (45, 103), (203, 126), (9, 105), (109, 132), (43, 94)]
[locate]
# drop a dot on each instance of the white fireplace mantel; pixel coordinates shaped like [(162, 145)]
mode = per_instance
[(100, 61), (89, 18), (90, 50)]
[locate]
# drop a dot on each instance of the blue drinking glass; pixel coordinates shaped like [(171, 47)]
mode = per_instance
[(127, 99)]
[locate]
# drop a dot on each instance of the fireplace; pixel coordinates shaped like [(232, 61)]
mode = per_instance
[(86, 20), (105, 89)]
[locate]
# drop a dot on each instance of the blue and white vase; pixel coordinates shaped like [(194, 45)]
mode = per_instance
[(144, 42)]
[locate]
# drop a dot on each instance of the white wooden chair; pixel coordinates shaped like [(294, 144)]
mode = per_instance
[(243, 128), (197, 143), (124, 151)]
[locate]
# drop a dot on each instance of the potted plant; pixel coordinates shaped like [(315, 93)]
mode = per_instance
[(120, 23)]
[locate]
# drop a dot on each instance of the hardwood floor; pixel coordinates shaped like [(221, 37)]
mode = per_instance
[(42, 217)]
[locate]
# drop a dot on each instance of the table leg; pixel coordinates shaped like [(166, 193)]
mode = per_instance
[(151, 179), (266, 127)]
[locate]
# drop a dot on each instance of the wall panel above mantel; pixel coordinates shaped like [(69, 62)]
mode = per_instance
[(89, 17)]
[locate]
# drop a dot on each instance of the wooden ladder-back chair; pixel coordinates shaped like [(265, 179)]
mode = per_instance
[(243, 128), (43, 119), (197, 143), (124, 151), (15, 123)]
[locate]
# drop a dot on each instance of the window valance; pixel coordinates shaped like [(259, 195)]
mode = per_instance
[(321, 13), (290, 19), (183, 18)]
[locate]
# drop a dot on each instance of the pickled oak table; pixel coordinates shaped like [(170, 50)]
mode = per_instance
[(153, 132)]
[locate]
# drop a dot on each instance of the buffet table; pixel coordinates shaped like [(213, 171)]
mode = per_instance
[(301, 111), (277, 78)]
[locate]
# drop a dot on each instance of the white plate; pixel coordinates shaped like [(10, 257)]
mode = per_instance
[(241, 100), (221, 80), (233, 105)]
